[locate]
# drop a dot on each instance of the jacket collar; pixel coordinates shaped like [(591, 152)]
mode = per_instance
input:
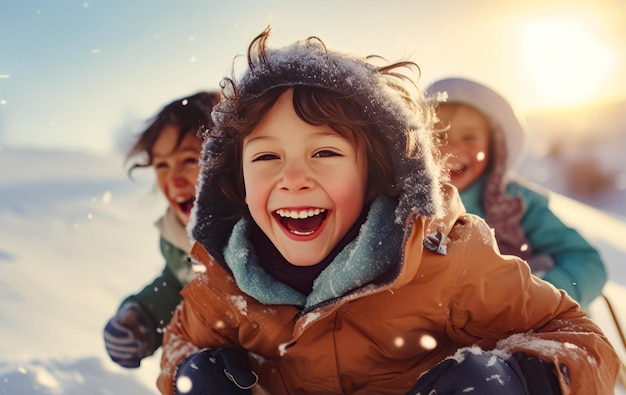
[(173, 231), (357, 264), (372, 258)]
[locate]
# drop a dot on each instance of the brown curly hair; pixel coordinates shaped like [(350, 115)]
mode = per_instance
[(240, 112), (190, 114)]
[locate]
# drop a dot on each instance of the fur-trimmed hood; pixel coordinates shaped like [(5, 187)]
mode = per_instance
[(310, 63)]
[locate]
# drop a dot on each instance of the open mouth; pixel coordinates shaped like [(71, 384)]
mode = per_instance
[(457, 168), (186, 206), (301, 222)]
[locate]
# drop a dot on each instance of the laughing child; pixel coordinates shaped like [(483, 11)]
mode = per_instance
[(171, 146), (337, 263), (484, 138)]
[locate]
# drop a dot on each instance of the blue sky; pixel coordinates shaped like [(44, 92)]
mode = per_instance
[(84, 75)]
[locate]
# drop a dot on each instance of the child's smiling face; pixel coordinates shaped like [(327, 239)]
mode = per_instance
[(177, 169), (467, 144), (305, 184)]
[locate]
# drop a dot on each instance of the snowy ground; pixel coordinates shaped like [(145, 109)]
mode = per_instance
[(75, 238)]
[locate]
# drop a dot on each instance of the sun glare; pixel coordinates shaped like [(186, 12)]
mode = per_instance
[(567, 63)]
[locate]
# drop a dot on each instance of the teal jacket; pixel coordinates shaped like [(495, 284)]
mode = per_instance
[(574, 265), (556, 253)]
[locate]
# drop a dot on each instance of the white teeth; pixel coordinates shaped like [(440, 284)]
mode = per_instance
[(301, 233), (454, 166), (299, 214)]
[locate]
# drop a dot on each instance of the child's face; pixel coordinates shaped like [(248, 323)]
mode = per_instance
[(177, 169), (294, 169), (467, 144)]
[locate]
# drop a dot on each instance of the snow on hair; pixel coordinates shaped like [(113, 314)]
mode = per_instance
[(383, 93)]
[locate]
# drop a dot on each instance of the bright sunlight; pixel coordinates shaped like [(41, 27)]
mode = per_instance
[(567, 63)]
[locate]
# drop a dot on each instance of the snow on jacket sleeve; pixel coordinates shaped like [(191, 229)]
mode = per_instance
[(509, 307), (176, 347), (578, 268), (180, 341)]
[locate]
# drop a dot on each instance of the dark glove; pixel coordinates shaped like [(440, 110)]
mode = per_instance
[(483, 373), (128, 336), (540, 376), (220, 371)]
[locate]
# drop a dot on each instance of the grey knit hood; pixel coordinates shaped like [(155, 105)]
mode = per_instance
[(310, 63)]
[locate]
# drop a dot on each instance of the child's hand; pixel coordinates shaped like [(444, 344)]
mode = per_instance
[(128, 336), (215, 371), (482, 373)]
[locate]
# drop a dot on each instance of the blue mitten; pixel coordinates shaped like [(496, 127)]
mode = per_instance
[(482, 373), (223, 371), (128, 336)]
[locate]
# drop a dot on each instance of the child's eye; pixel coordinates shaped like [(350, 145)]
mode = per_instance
[(325, 154), (192, 160), (265, 157), (159, 165)]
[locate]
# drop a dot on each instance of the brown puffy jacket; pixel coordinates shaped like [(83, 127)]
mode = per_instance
[(379, 338)]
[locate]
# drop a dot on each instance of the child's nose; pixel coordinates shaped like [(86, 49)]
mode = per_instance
[(295, 176), (179, 181), (178, 178)]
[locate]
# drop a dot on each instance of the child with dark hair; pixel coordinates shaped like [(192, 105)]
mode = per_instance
[(337, 263), (483, 141), (171, 145)]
